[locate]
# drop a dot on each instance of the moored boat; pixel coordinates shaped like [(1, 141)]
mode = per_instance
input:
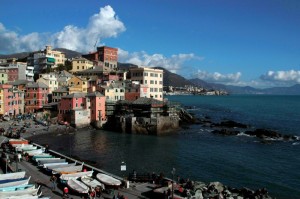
[(17, 141), (66, 177), (77, 186), (15, 175), (15, 182), (50, 160), (67, 170), (15, 188), (108, 180), (35, 152), (51, 166), (91, 182), (29, 191)]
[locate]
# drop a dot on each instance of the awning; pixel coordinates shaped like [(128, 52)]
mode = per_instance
[(50, 59)]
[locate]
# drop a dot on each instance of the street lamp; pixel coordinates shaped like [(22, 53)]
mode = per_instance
[(173, 173)]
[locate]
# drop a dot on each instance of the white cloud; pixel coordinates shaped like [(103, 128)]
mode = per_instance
[(217, 77), (104, 24), (282, 77), (172, 63)]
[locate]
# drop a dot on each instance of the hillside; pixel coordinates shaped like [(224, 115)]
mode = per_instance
[(172, 79)]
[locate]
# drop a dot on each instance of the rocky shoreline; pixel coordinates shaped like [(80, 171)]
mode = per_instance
[(232, 128)]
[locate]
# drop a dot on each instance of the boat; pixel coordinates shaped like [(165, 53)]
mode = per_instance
[(21, 145), (47, 158), (35, 152), (18, 187), (51, 166), (29, 191), (15, 182), (25, 196), (50, 160), (91, 182), (42, 155), (17, 141), (66, 177), (67, 170), (77, 186), (12, 175), (108, 180), (25, 148)]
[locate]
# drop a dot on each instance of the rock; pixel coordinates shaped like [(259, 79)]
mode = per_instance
[(225, 132), (216, 185), (232, 124)]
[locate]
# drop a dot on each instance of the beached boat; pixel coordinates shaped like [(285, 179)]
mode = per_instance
[(17, 141), (29, 191), (50, 160), (25, 148), (51, 166), (18, 187), (21, 145), (91, 182), (12, 175), (66, 177), (35, 152), (47, 158), (108, 180), (42, 155), (15, 182), (26, 196), (67, 170), (77, 186)]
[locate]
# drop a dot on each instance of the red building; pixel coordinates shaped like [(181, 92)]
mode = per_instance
[(12, 73), (36, 96), (12, 100)]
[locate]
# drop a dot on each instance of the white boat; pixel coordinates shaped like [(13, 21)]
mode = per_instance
[(25, 148), (12, 175), (21, 145), (42, 155), (66, 177), (43, 158), (29, 191), (25, 196), (91, 182), (35, 152), (50, 160), (77, 186), (51, 166), (18, 187), (16, 182), (108, 180), (67, 170)]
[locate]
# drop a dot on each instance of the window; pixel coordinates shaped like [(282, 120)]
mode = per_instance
[(145, 81), (151, 82), (78, 67)]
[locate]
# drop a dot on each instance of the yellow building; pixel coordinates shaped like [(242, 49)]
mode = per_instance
[(2, 102), (3, 77), (151, 77), (77, 85), (80, 64)]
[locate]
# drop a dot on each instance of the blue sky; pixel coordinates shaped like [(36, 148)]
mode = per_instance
[(249, 42)]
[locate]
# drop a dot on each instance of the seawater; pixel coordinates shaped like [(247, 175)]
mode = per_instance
[(196, 153)]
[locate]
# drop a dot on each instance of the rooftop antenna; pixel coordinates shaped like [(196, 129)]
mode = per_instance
[(96, 43)]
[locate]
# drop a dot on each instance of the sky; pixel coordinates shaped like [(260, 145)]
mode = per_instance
[(244, 43)]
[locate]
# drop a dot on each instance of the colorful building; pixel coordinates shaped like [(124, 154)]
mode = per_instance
[(12, 100), (152, 78), (77, 85), (3, 77), (113, 91), (50, 79), (36, 96), (80, 64), (97, 106)]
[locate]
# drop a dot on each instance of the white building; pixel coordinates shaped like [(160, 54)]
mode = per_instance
[(50, 79), (151, 77)]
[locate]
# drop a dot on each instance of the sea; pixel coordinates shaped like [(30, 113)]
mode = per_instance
[(197, 154)]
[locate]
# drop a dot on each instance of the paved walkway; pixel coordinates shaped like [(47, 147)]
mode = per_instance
[(39, 177)]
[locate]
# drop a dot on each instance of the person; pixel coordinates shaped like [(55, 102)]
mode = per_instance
[(66, 192), (53, 180), (47, 148), (92, 193), (98, 192)]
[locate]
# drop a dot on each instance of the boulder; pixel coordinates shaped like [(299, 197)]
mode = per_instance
[(225, 132), (231, 124)]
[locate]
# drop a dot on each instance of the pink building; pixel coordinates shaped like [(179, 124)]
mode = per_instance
[(36, 96), (12, 102), (97, 106), (80, 109)]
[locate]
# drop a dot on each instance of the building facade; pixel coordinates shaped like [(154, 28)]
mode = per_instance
[(36, 96), (152, 78), (50, 79), (80, 64)]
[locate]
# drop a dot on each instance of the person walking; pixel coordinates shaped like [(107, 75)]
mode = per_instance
[(53, 180)]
